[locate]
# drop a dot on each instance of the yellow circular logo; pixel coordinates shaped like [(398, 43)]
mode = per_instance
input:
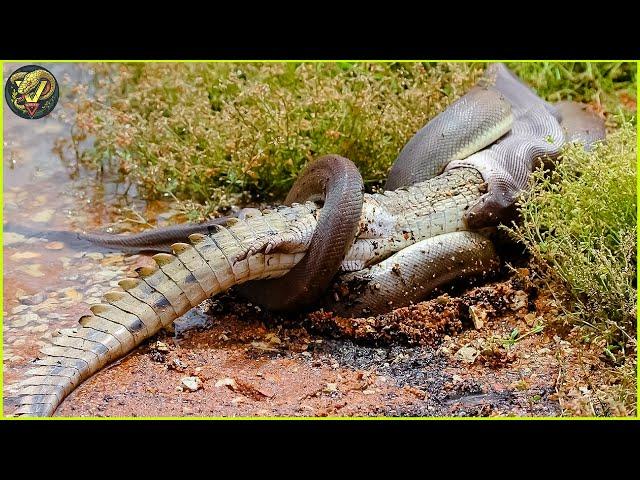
[(31, 92)]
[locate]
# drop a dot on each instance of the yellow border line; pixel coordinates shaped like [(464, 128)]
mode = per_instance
[(559, 418), (637, 238), (2, 239)]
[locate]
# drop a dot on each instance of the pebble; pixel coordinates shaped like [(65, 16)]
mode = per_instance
[(191, 384), (330, 388), (95, 255), (43, 216), (519, 300), (20, 293), (34, 299), (227, 382), (40, 328), (71, 294), (32, 270), (27, 318), (54, 246), (105, 275), (466, 354), (18, 309), (10, 238), (25, 255)]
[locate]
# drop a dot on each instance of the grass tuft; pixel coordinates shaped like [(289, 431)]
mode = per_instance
[(579, 223)]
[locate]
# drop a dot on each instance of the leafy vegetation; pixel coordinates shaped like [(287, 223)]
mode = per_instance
[(222, 133), (579, 223)]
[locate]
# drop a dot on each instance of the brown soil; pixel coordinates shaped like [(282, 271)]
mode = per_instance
[(425, 360)]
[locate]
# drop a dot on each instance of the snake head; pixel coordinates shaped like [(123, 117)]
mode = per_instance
[(499, 206)]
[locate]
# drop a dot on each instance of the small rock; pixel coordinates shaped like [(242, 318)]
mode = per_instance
[(72, 294), (95, 255), (519, 300), (43, 216), (330, 388), (24, 255), (177, 365), (530, 319), (35, 299), (227, 382), (478, 316), (273, 339), (466, 354), (18, 309), (10, 238), (54, 246), (20, 293), (191, 384), (23, 320), (160, 347), (32, 270)]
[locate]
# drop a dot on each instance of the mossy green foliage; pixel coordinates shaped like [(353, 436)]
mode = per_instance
[(210, 132), (609, 87), (579, 222)]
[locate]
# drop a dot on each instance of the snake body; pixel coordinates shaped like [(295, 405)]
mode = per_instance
[(335, 181), (30, 82)]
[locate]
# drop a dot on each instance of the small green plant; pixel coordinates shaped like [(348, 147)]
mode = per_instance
[(609, 87), (514, 337), (579, 223), (215, 134)]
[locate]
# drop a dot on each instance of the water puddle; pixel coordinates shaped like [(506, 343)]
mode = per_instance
[(50, 277)]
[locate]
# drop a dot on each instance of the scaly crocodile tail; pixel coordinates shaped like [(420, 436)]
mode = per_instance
[(179, 282)]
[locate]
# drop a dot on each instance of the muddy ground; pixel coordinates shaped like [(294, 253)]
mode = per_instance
[(432, 359)]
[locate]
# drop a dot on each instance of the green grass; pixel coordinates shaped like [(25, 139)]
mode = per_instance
[(609, 87), (579, 223), (214, 134)]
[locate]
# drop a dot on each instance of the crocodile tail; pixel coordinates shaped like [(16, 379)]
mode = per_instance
[(125, 318), (142, 306)]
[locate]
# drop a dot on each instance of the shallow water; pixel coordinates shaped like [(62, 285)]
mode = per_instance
[(51, 278)]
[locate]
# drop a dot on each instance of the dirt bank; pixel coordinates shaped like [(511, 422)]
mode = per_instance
[(245, 362)]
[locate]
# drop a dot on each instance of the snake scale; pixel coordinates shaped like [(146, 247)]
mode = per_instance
[(462, 172)]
